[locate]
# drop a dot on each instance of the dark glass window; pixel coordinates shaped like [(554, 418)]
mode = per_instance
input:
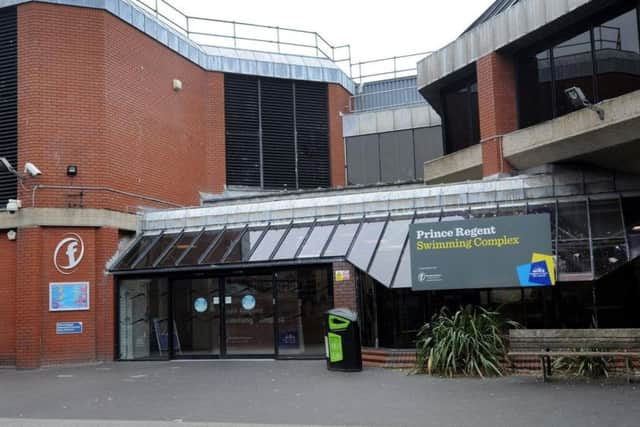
[(316, 241), (365, 244), (545, 208), (156, 251), (140, 247), (574, 257), (572, 221), (291, 243), (631, 209), (341, 240), (243, 248), (545, 73), (199, 247), (217, 253), (268, 244), (182, 245), (617, 55), (462, 127), (606, 219), (608, 255)]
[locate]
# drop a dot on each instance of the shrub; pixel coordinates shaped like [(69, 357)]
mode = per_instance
[(469, 342), (584, 366)]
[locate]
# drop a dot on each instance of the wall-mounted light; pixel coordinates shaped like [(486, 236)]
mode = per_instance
[(72, 170), (579, 100), (177, 85)]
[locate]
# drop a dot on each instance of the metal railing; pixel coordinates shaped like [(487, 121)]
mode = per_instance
[(384, 99), (210, 32), (386, 68)]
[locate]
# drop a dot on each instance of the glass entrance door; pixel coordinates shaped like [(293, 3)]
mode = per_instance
[(196, 317), (249, 315)]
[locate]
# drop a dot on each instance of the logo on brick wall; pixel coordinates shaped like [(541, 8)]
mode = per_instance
[(68, 253)]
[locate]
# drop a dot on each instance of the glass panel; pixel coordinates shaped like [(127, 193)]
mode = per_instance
[(631, 209), (512, 210), (483, 212), (196, 316), (249, 315), (143, 309), (318, 238), (242, 250), (606, 218), (362, 153), (396, 156), (572, 220), (388, 253), (228, 238), (268, 244), (291, 243), (303, 298), (182, 245), (461, 116), (574, 257), (573, 66), (403, 277), (458, 215), (156, 251), (549, 209), (608, 255), (341, 240), (427, 218), (199, 247), (618, 55), (365, 244), (134, 253), (535, 89)]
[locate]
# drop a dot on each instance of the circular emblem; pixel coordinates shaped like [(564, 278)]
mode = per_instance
[(200, 305), (248, 302), (69, 253)]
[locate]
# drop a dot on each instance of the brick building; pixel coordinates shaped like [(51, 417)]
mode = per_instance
[(306, 192)]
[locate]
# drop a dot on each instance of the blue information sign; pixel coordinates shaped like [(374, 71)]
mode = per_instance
[(69, 296), (67, 328)]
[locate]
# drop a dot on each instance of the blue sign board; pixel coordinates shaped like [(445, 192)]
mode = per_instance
[(68, 328), (69, 296)]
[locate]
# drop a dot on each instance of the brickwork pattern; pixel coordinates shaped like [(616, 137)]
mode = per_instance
[(338, 103), (497, 109), (7, 300), (344, 293)]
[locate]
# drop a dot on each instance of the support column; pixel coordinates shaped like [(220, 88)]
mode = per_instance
[(344, 286), (338, 104), (498, 109)]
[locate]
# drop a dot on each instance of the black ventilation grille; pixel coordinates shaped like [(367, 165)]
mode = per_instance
[(278, 132), (8, 102), (274, 141), (312, 121), (242, 124)]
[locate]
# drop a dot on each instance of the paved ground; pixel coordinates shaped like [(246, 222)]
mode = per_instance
[(300, 393)]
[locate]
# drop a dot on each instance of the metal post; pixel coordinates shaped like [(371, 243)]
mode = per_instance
[(317, 50), (235, 41), (278, 38), (156, 2), (395, 67)]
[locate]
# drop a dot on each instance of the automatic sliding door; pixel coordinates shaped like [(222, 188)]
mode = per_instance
[(196, 314), (249, 315)]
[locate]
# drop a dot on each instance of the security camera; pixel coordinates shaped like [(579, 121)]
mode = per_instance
[(31, 169), (579, 100), (13, 206), (12, 235)]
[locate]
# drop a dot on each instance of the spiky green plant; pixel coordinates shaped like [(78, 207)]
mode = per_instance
[(583, 366), (468, 342)]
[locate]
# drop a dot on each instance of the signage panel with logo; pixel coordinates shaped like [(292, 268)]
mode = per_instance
[(68, 253), (495, 252)]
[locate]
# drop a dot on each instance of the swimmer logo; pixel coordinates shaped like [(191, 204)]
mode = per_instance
[(68, 254)]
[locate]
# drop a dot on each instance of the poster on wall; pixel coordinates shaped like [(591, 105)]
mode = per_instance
[(498, 252), (70, 296)]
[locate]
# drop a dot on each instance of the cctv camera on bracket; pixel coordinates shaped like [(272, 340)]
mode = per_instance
[(30, 170)]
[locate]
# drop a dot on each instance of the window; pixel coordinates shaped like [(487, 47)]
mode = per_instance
[(277, 133), (462, 127), (603, 60)]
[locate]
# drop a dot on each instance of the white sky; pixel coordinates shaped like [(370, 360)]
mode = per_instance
[(374, 29)]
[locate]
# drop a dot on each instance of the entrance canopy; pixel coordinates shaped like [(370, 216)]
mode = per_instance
[(369, 227)]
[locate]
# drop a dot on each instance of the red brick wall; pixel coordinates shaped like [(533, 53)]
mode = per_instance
[(498, 110), (96, 93), (344, 293), (7, 300), (338, 103)]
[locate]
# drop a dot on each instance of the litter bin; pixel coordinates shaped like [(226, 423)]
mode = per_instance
[(343, 341)]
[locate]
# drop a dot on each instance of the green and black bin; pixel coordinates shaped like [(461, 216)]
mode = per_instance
[(343, 341)]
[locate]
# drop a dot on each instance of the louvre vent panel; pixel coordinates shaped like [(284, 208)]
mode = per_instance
[(242, 124), (312, 123), (266, 128), (278, 134), (8, 102)]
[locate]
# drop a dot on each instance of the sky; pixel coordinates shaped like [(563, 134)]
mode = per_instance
[(373, 29)]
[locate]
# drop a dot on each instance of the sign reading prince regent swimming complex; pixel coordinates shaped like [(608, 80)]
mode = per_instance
[(495, 252)]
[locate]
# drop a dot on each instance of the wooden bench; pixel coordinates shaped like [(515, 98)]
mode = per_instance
[(547, 344)]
